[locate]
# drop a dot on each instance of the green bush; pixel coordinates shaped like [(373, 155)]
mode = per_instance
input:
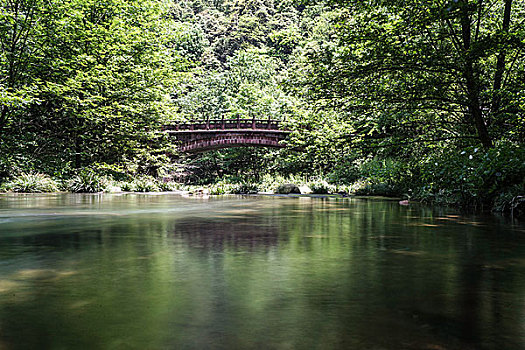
[(344, 172), (512, 200), (269, 183), (142, 184), (145, 184), (386, 176), (246, 188), (377, 189), (167, 186), (87, 181), (472, 176), (126, 186), (321, 187), (217, 190), (32, 183), (222, 188)]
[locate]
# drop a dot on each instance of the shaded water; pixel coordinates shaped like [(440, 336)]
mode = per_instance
[(166, 272)]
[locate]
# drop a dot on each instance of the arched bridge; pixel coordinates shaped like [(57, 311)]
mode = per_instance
[(201, 136)]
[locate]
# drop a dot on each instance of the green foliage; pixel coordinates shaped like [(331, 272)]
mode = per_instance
[(87, 181), (415, 71), (218, 190), (321, 187), (344, 172), (511, 200), (385, 177), (142, 184), (167, 186), (396, 98), (376, 189), (89, 83), (32, 183), (473, 176), (246, 188), (232, 186), (126, 186), (270, 182)]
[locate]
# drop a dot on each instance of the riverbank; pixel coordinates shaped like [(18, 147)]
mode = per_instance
[(89, 181)]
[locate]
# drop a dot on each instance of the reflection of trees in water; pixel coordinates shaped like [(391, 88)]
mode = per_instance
[(249, 232)]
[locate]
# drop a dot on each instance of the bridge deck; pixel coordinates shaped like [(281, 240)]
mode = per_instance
[(222, 124), (214, 131)]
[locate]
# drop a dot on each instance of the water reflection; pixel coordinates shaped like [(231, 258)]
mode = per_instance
[(142, 271), (236, 233)]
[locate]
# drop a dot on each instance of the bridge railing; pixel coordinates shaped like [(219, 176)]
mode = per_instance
[(227, 124)]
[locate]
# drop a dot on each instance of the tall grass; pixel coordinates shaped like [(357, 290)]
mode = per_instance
[(32, 183), (87, 181)]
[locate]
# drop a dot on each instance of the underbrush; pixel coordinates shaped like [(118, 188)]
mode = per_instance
[(31, 183), (246, 188), (142, 184), (87, 181), (321, 187), (473, 177)]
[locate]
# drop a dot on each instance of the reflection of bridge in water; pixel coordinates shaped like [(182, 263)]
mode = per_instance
[(196, 137), (235, 232)]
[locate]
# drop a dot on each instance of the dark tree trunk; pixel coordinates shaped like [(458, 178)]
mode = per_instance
[(3, 118), (78, 153)]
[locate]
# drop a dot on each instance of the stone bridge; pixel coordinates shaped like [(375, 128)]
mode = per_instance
[(201, 136)]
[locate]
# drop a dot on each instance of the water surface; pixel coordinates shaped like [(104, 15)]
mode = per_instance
[(164, 272)]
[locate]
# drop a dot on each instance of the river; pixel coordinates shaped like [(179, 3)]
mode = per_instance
[(141, 271)]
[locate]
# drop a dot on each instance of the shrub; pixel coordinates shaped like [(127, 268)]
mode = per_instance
[(32, 183), (87, 181), (378, 189), (511, 200), (269, 183), (321, 187), (167, 186), (217, 190), (145, 184), (386, 177), (344, 172), (473, 176), (222, 188), (246, 188), (127, 186)]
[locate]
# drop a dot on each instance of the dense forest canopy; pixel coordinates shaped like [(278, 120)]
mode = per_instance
[(422, 98)]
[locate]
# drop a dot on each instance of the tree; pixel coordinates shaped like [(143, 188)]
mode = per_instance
[(422, 71), (19, 24), (98, 74)]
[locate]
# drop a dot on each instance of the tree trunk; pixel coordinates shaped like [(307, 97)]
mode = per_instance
[(3, 118), (78, 152)]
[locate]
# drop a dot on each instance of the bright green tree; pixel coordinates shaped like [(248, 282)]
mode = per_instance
[(87, 81)]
